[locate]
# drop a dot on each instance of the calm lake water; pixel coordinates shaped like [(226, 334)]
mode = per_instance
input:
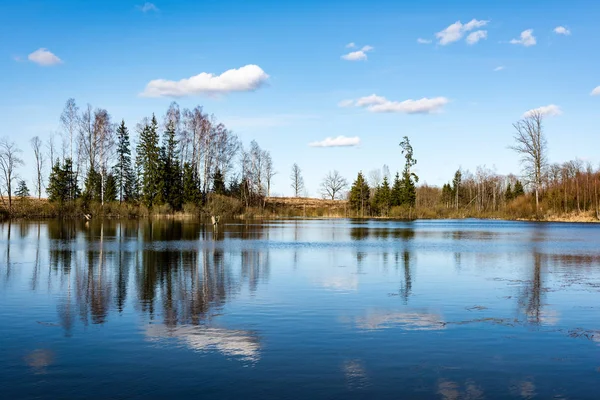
[(299, 309)]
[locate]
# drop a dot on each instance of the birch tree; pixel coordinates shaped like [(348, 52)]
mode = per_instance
[(9, 161)]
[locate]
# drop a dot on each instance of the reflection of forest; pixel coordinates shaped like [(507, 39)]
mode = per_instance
[(179, 272)]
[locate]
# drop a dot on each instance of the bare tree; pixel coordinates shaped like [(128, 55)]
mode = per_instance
[(531, 145), (333, 184), (69, 120), (36, 145), (375, 178), (297, 180), (9, 160), (269, 171)]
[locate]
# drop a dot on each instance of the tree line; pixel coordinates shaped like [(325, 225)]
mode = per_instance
[(188, 157)]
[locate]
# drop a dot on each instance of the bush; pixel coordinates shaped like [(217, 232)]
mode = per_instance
[(223, 206)]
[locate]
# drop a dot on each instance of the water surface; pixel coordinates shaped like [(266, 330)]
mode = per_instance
[(299, 309)]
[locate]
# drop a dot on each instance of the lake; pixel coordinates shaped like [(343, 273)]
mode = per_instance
[(322, 309)]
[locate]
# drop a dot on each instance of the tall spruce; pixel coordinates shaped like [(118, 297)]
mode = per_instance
[(218, 182), (409, 178), (396, 193), (359, 194), (191, 185), (123, 172), (62, 185), (149, 164), (22, 189), (170, 184)]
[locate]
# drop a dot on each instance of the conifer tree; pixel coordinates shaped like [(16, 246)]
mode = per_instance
[(110, 188), (409, 178), (149, 164), (359, 194), (508, 194), (170, 182), (191, 185), (396, 194), (22, 190), (123, 172), (92, 186), (218, 182), (519, 191), (382, 197), (62, 186)]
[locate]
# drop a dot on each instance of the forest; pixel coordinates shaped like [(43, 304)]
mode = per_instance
[(187, 163)]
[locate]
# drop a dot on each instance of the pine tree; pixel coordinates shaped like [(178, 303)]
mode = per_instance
[(110, 188), (218, 182), (409, 178), (191, 185), (123, 173), (149, 164), (519, 191), (170, 183), (62, 185), (508, 194), (447, 195), (22, 190), (359, 194), (396, 195), (92, 186), (382, 198)]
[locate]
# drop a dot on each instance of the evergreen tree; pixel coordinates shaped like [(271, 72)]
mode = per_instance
[(396, 194), (508, 194), (110, 188), (22, 190), (382, 197), (123, 172), (456, 187), (218, 182), (92, 186), (359, 194), (149, 164), (62, 186), (170, 183), (409, 178), (191, 185), (519, 191), (447, 198)]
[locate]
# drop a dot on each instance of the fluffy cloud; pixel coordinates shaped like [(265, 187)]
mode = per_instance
[(527, 39), (500, 68), (550, 110), (351, 45), (457, 30), (147, 7), (596, 91), (340, 141), (44, 57), (244, 79), (424, 41), (476, 37), (359, 55), (561, 30), (379, 104)]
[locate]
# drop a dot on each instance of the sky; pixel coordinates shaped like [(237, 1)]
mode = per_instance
[(328, 85)]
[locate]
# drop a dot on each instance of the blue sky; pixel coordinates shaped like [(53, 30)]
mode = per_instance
[(109, 52)]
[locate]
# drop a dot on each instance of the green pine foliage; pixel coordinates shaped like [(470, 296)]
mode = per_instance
[(396, 194), (110, 188), (382, 198), (170, 183), (62, 185), (519, 191), (219, 182), (123, 172), (22, 190), (191, 185), (149, 164), (359, 195), (508, 194)]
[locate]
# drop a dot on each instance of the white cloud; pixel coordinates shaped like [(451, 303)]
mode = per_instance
[(351, 45), (379, 104), (44, 57), (527, 39), (359, 55), (596, 91), (424, 41), (147, 7), (340, 141), (244, 79), (457, 30), (550, 110), (561, 30), (370, 100), (500, 68), (476, 37)]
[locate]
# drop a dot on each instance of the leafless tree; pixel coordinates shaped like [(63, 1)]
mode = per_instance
[(9, 161), (297, 180), (531, 145), (333, 184), (375, 178), (269, 172), (51, 149), (36, 145), (69, 120)]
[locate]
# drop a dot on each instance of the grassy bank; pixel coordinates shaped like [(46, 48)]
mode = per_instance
[(275, 207)]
